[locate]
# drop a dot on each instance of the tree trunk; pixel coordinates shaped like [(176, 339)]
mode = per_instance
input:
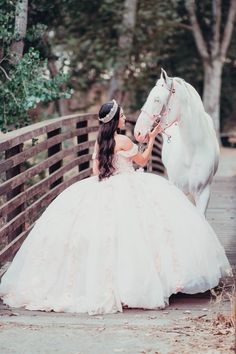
[(17, 46), (124, 45), (61, 104), (213, 55), (212, 90)]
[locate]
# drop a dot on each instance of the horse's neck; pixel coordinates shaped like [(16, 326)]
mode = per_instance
[(193, 124)]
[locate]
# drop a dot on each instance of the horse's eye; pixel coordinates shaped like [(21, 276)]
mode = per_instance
[(156, 99)]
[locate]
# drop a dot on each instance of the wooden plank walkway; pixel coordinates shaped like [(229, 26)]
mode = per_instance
[(221, 214)]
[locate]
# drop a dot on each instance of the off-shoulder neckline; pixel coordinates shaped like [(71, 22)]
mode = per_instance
[(128, 153), (122, 150)]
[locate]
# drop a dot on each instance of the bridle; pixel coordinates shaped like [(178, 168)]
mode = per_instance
[(156, 118)]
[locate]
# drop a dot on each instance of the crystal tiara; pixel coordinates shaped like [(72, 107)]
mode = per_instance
[(111, 114)]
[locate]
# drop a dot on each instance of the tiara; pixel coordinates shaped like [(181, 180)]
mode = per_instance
[(111, 114)]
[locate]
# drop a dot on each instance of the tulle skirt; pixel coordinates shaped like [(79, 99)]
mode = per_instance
[(132, 239)]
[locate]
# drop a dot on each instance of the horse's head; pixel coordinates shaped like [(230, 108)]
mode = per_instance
[(156, 108)]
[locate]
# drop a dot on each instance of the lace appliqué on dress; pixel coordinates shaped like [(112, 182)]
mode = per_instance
[(122, 161)]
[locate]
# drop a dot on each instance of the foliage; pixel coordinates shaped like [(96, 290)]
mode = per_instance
[(93, 30), (26, 83), (7, 17), (87, 34)]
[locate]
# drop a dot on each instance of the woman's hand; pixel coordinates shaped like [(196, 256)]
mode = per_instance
[(142, 158), (157, 130)]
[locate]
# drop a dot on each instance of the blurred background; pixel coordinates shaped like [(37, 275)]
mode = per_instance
[(66, 56)]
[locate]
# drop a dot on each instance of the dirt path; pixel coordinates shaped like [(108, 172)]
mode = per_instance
[(188, 325)]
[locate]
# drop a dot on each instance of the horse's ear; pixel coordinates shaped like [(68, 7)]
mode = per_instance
[(164, 75), (166, 78)]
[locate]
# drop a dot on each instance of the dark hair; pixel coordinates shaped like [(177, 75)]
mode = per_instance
[(106, 141)]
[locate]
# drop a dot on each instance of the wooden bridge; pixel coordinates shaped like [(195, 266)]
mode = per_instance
[(39, 161)]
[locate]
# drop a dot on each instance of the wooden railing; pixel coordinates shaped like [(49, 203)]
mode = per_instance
[(37, 163)]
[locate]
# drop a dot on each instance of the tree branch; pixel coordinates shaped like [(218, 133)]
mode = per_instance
[(200, 42), (228, 29), (3, 70), (216, 10), (176, 24)]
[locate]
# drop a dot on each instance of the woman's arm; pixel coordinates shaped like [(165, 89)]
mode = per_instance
[(95, 160), (142, 159), (95, 167)]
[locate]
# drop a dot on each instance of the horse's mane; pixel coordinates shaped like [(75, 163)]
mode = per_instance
[(194, 99), (179, 80), (191, 92)]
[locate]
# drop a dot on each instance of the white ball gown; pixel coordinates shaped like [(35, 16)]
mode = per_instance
[(131, 239)]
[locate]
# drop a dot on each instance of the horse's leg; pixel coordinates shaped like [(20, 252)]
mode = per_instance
[(202, 199)]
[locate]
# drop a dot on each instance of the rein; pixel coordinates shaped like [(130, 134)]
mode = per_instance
[(156, 118)]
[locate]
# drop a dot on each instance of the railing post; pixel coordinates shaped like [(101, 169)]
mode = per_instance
[(81, 139), (12, 193), (149, 166), (156, 160), (51, 151)]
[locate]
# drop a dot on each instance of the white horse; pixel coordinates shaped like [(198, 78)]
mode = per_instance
[(190, 151)]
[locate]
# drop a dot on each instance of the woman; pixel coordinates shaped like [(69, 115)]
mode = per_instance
[(119, 238)]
